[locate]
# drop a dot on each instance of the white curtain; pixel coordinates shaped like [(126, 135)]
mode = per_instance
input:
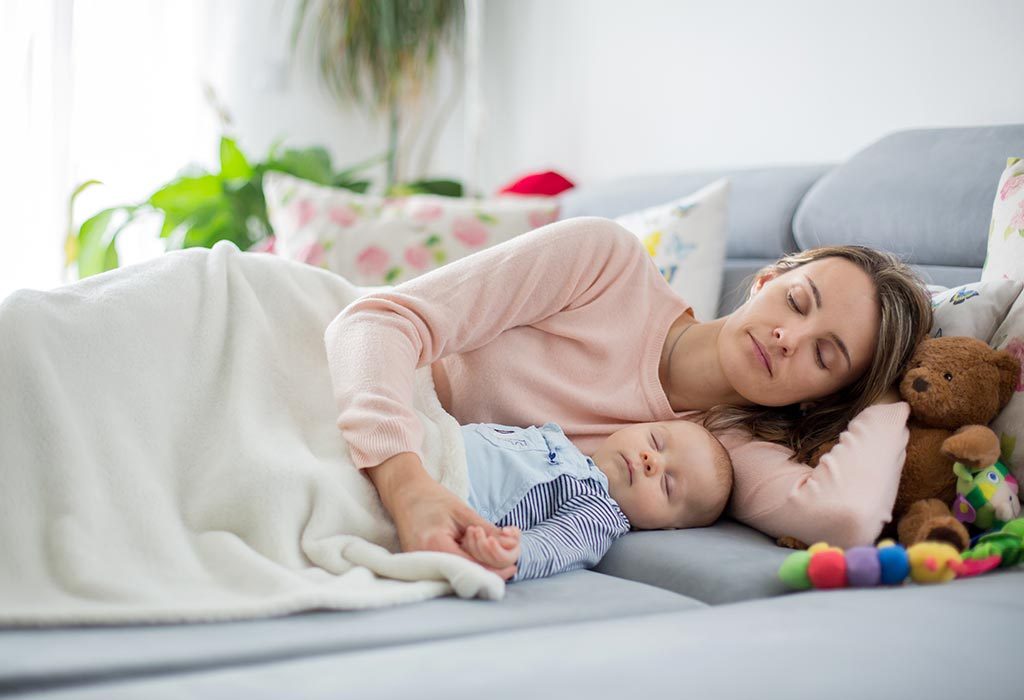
[(95, 89)]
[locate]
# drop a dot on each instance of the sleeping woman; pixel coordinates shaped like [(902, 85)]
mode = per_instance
[(573, 323)]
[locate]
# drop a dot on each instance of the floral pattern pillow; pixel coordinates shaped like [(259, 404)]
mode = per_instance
[(374, 240), (1005, 256), (686, 238), (1009, 424), (974, 309)]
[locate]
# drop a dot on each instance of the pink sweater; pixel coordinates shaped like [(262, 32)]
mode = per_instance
[(566, 324)]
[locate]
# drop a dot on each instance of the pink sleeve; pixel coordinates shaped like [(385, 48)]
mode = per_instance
[(846, 500), (376, 343)]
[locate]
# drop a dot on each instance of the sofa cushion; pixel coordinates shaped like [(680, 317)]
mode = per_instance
[(925, 194), (723, 563), (33, 658), (761, 202), (942, 642), (973, 309), (686, 238)]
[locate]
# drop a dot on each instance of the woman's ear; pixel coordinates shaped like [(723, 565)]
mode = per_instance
[(761, 280)]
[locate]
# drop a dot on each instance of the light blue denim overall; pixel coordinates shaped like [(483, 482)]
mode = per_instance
[(505, 462)]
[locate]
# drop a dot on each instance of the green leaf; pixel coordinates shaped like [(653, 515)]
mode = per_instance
[(233, 164), (486, 218), (96, 240), (445, 188), (182, 197), (433, 239), (359, 186), (312, 164), (392, 274)]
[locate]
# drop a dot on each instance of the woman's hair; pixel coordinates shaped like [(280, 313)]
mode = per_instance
[(906, 318)]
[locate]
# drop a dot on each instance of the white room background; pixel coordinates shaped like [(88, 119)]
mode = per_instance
[(594, 88)]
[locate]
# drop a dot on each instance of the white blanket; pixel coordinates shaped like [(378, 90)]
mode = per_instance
[(168, 452)]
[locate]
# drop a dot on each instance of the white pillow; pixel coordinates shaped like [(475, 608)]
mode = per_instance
[(686, 238), (974, 309), (373, 240), (1005, 256)]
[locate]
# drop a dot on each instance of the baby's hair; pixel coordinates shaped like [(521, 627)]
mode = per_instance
[(723, 473), (723, 481)]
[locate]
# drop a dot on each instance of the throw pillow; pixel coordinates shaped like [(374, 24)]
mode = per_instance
[(1005, 256), (373, 240), (974, 309), (686, 238), (1009, 424)]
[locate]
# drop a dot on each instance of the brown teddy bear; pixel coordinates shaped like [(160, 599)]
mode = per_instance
[(955, 385)]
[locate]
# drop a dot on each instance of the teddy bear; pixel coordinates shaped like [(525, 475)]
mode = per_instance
[(955, 386)]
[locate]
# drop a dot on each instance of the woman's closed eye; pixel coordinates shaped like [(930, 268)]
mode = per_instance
[(817, 346)]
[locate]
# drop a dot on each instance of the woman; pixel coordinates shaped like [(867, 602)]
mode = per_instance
[(572, 323)]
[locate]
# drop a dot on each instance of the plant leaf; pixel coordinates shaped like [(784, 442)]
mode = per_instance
[(233, 164), (445, 188), (182, 197), (96, 240), (312, 164)]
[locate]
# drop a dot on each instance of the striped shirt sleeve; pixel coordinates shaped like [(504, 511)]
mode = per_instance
[(575, 536)]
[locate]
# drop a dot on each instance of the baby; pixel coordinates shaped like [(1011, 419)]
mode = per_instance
[(560, 510)]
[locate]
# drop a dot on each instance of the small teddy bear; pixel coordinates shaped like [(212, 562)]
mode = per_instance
[(955, 386)]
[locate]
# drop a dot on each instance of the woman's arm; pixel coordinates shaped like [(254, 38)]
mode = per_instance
[(375, 345), (846, 500)]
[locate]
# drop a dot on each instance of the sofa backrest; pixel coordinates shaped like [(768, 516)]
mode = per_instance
[(925, 194)]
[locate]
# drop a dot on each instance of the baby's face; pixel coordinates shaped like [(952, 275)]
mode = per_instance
[(662, 474)]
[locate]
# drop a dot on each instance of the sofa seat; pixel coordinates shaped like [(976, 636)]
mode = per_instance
[(909, 642), (724, 563), (33, 659)]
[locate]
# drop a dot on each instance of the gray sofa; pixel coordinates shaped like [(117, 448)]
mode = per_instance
[(696, 613)]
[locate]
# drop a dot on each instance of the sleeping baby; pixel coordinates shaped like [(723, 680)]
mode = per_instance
[(560, 510)]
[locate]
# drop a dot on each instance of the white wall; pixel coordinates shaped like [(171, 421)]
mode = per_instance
[(593, 88), (600, 88)]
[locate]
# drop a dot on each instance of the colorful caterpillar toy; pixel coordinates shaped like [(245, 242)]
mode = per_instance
[(889, 564)]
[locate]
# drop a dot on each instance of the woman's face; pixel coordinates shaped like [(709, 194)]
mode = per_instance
[(803, 334)]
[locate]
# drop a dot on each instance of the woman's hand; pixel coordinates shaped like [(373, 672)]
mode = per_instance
[(428, 516)]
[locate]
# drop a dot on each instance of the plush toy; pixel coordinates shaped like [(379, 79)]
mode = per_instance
[(955, 385), (996, 549), (888, 564), (824, 566), (985, 497)]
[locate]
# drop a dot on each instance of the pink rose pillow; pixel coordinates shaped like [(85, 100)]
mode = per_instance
[(1004, 258), (373, 240)]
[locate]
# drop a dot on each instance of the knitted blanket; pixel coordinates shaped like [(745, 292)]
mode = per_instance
[(168, 452)]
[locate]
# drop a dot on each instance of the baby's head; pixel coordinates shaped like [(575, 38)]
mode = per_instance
[(673, 474)]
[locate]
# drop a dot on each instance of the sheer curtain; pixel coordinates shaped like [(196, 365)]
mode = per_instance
[(111, 90)]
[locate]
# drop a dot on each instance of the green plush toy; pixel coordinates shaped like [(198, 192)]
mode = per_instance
[(986, 497)]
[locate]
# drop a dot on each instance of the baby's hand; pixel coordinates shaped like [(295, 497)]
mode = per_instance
[(499, 552)]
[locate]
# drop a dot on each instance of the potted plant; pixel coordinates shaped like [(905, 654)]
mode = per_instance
[(383, 54), (200, 208)]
